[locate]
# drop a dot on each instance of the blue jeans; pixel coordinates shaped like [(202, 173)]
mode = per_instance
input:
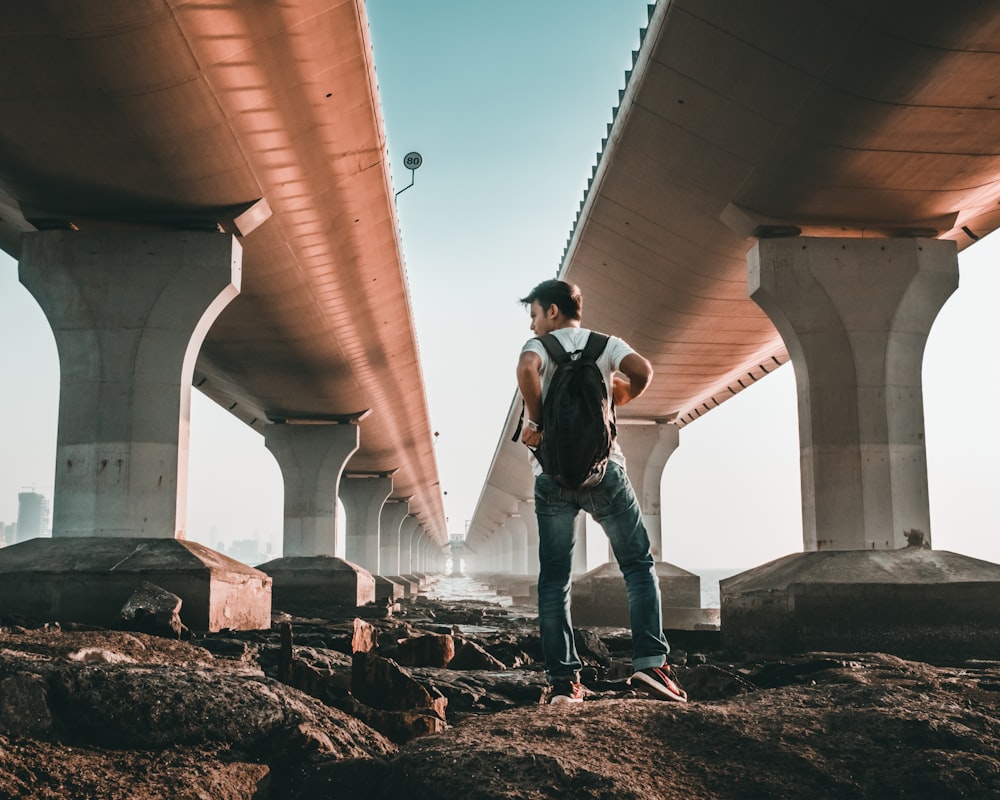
[(613, 505)]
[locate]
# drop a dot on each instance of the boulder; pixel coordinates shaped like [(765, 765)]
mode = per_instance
[(471, 656), (430, 650), (152, 609)]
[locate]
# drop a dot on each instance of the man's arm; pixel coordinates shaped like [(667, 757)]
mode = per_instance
[(639, 373), (529, 381)]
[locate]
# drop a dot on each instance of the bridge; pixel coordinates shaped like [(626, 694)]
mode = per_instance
[(782, 183), (199, 194), (848, 151)]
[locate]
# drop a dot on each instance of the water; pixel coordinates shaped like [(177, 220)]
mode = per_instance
[(462, 587), (710, 578)]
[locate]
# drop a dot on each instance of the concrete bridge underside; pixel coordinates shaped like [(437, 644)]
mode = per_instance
[(245, 140), (787, 182)]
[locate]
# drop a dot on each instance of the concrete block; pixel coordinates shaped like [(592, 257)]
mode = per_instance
[(388, 590), (914, 603), (89, 580), (599, 597), (307, 585)]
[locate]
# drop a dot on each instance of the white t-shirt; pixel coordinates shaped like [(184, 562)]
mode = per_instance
[(573, 339)]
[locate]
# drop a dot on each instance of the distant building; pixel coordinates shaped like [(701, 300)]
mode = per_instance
[(32, 516), (8, 532), (247, 551)]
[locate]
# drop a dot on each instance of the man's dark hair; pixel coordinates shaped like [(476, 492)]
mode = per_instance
[(565, 296)]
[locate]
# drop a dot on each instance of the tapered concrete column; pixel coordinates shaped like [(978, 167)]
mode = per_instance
[(506, 547), (363, 497), (407, 535), (421, 550), (647, 449), (518, 544), (312, 460), (854, 315), (129, 311), (526, 509), (393, 514), (580, 544)]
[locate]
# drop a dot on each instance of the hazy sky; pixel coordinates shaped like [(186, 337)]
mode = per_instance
[(507, 103)]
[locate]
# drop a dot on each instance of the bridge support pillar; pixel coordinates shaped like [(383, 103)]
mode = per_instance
[(388, 584), (647, 448), (855, 315), (309, 577), (312, 459), (363, 497), (599, 595), (129, 312), (526, 508), (580, 556), (407, 538)]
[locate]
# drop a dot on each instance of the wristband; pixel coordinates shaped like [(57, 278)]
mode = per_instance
[(532, 425)]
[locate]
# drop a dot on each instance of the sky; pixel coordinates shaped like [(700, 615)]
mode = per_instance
[(507, 103)]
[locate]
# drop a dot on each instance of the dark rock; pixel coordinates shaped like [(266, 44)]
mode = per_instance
[(365, 638), (471, 656), (234, 649), (398, 726), (590, 647), (382, 684), (152, 609), (24, 706), (429, 650), (285, 653), (510, 654)]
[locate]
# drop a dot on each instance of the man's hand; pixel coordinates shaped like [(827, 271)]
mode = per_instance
[(531, 437), (620, 390)]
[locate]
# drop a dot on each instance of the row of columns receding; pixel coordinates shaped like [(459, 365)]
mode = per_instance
[(854, 315), (129, 312)]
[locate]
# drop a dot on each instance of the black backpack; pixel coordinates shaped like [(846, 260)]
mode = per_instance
[(578, 416)]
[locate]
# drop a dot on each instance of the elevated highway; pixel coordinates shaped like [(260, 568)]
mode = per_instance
[(741, 123), (260, 120)]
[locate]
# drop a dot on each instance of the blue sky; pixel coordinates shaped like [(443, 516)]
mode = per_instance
[(507, 103)]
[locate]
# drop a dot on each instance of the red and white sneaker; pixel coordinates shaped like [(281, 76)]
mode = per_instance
[(660, 682), (565, 691)]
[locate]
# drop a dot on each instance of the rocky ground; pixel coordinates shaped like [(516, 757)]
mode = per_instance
[(440, 699)]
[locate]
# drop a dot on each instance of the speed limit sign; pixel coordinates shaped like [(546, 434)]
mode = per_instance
[(413, 160)]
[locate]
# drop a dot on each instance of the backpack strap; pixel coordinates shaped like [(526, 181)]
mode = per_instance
[(554, 348), (595, 345)]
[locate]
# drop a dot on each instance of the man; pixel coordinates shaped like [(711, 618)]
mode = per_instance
[(556, 307)]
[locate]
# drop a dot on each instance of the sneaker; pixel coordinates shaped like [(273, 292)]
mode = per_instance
[(565, 691), (659, 681)]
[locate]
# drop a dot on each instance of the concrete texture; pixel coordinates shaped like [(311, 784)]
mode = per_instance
[(913, 602), (129, 312), (88, 580), (363, 497), (388, 590), (394, 512), (307, 585), (599, 597), (312, 459), (647, 449), (854, 315)]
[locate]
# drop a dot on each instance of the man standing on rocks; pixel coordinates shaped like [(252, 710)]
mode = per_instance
[(556, 307)]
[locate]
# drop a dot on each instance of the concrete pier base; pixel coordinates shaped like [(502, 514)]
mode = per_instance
[(912, 602), (88, 580), (388, 590), (521, 589), (599, 598), (307, 585), (410, 587)]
